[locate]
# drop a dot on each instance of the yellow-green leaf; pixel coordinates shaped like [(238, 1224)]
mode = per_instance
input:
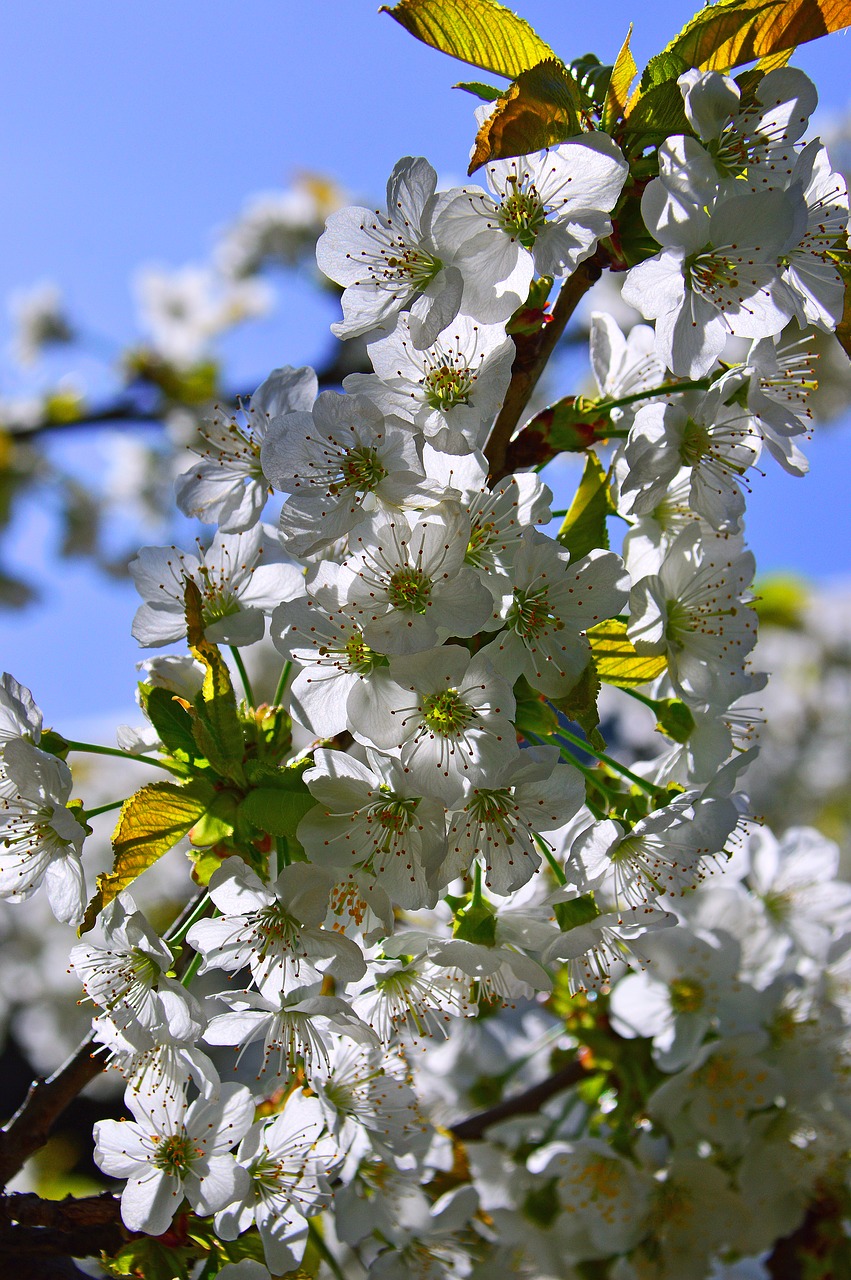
[(480, 32), (541, 107), (216, 728), (151, 822), (617, 95), (584, 526), (616, 659), (731, 33)]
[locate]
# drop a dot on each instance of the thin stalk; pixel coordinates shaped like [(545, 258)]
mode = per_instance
[(92, 749), (103, 808), (183, 926), (243, 675), (666, 389), (194, 965), (587, 773), (642, 697), (548, 854), (322, 1248), (282, 684), (609, 761)]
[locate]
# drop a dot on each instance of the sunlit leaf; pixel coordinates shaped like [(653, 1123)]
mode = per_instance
[(584, 526), (151, 822), (616, 659), (487, 92), (216, 729), (480, 32), (734, 32), (623, 74), (541, 107)]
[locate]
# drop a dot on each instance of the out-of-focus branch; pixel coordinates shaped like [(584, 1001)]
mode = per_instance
[(522, 1104), (533, 352), (32, 1229), (30, 1126)]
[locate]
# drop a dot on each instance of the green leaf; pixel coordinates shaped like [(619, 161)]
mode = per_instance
[(584, 526), (217, 823), (280, 808), (623, 73), (487, 92), (480, 32), (658, 112), (169, 716), (731, 33), (151, 822), (217, 730), (542, 107), (580, 706), (615, 657), (843, 329)]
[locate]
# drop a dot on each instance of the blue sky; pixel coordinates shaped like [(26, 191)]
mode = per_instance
[(130, 132)]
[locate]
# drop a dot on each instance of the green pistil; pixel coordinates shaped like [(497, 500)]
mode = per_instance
[(145, 967), (446, 387), (265, 1175), (492, 808), (396, 813), (418, 267), (361, 471), (481, 536), (359, 657), (529, 614), (687, 995), (176, 1154), (446, 713), (522, 214), (696, 443), (276, 927), (410, 590)]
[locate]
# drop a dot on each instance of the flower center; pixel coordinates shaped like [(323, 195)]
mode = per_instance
[(522, 214), (446, 713), (529, 614), (482, 536), (687, 995), (414, 265), (410, 590), (446, 386), (360, 470), (175, 1154)]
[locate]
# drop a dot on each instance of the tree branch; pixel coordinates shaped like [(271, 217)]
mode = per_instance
[(522, 1104), (30, 1126), (533, 352), (31, 1227)]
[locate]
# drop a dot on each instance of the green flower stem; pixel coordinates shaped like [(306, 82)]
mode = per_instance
[(92, 749), (589, 774), (243, 675), (282, 684), (183, 926), (194, 965), (642, 697), (103, 808), (322, 1248), (477, 886), (610, 762), (548, 854), (666, 389)]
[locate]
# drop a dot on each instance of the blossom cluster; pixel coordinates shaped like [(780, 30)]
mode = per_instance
[(442, 882)]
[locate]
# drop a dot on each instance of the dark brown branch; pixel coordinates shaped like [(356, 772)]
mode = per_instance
[(522, 1104), (533, 352), (30, 1126), (31, 1227)]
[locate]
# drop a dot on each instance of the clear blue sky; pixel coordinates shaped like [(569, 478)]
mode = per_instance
[(130, 132)]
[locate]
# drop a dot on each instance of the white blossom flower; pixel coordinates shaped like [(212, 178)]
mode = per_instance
[(171, 1151), (40, 838), (449, 716), (123, 977), (546, 214), (226, 486), (241, 577), (288, 1160), (370, 817), (276, 930), (450, 390), (184, 310), (387, 261)]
